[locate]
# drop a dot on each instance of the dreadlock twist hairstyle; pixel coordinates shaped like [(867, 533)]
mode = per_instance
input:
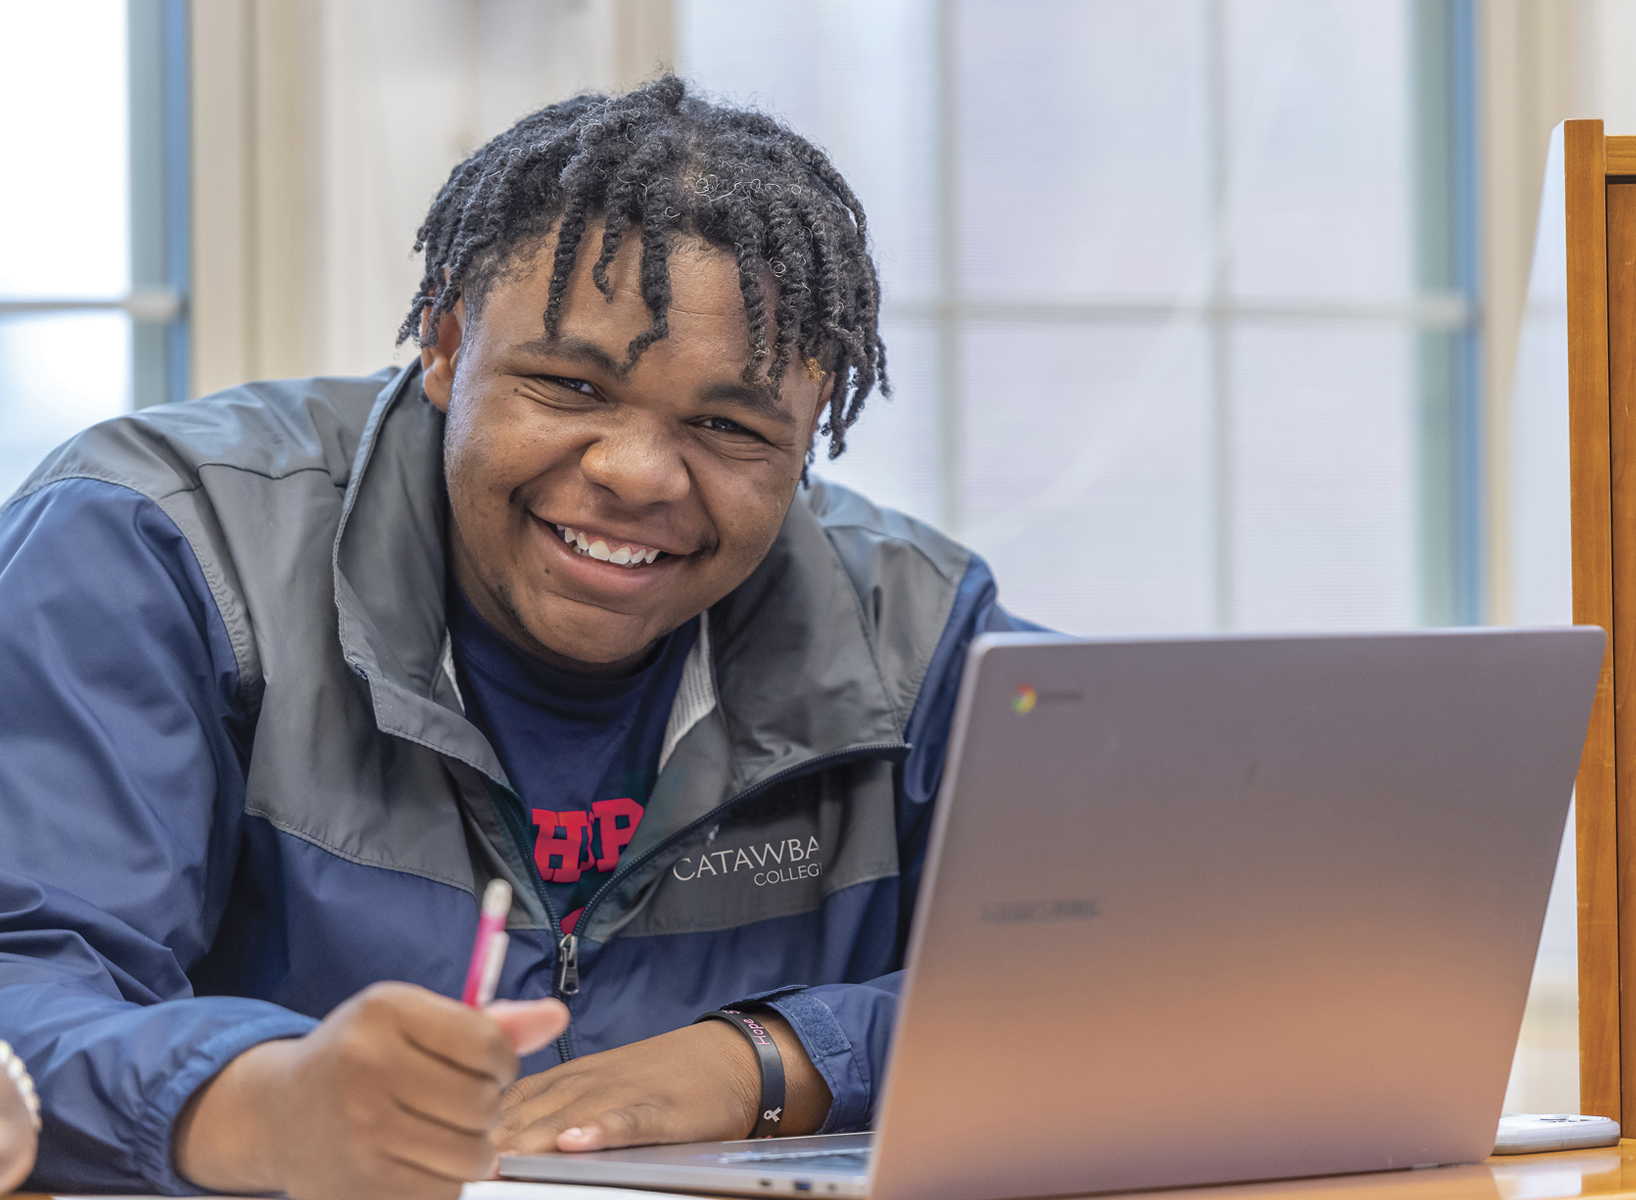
[(663, 163)]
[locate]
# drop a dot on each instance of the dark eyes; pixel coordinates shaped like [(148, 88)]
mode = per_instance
[(573, 385), (721, 425)]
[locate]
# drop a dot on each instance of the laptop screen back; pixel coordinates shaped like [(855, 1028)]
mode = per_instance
[(1229, 908)]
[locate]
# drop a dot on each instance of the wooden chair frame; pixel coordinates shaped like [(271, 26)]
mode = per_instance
[(1600, 200)]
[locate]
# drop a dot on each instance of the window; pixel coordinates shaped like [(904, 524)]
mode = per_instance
[(1180, 296), (92, 278)]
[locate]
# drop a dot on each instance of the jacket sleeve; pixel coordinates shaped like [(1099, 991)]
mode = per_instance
[(846, 1028), (122, 744)]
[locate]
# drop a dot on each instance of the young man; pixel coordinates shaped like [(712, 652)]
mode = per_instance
[(293, 671)]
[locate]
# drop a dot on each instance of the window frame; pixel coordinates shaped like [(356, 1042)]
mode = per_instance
[(1445, 311), (157, 51)]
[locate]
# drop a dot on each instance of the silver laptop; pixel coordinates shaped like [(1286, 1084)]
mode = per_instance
[(1202, 910)]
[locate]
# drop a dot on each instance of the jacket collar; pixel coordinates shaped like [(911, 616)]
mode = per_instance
[(784, 673), (390, 562)]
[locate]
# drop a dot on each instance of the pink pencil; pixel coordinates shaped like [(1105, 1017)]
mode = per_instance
[(488, 952)]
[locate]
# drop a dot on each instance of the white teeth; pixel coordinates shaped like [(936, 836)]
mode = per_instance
[(625, 556)]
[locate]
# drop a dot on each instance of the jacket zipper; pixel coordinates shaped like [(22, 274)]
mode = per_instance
[(566, 976), (567, 969)]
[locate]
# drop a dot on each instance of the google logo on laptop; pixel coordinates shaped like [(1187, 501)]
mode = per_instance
[(1025, 699)]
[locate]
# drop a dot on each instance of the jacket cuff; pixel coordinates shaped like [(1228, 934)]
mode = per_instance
[(154, 1149), (830, 1050)]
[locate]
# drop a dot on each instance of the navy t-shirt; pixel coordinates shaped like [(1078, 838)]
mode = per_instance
[(582, 753)]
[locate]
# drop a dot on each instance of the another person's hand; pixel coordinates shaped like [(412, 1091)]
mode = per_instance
[(18, 1114), (697, 1084), (394, 1095)]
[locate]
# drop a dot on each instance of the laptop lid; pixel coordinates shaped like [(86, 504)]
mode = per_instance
[(1210, 909)]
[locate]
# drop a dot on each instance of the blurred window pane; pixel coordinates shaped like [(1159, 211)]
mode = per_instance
[(1081, 145), (1087, 472), (856, 76), (65, 92), (96, 230), (1318, 149), (1173, 272), (59, 372), (1324, 481)]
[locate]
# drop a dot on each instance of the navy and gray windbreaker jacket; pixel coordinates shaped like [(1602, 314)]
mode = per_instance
[(237, 784)]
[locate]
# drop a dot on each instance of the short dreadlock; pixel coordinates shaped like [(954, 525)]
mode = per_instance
[(670, 164)]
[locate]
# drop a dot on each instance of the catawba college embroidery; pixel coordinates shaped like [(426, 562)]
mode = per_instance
[(772, 862), (568, 844)]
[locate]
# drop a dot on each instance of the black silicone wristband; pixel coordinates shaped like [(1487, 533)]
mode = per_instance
[(770, 1112)]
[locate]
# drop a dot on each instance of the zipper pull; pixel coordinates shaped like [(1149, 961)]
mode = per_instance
[(568, 965)]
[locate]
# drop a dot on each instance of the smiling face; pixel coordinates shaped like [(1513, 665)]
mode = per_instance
[(594, 508)]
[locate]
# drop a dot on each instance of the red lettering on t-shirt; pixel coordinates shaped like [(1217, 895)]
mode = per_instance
[(563, 840), (617, 820)]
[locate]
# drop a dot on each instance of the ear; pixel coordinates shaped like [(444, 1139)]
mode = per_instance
[(439, 357)]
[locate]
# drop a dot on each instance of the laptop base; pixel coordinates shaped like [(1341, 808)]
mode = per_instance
[(826, 1164)]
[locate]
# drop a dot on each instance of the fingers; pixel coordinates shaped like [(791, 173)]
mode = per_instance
[(591, 1136), (431, 1146), (528, 1123), (593, 1123), (695, 1084), (672, 1088), (529, 1025), (529, 1086), (638, 1124), (393, 1178), (456, 1098), (481, 1048), (537, 1108), (392, 1095), (442, 1028)]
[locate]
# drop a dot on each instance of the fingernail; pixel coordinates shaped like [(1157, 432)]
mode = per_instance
[(576, 1131)]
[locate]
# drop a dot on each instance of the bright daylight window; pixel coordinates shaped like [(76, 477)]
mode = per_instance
[(1179, 294), (94, 262)]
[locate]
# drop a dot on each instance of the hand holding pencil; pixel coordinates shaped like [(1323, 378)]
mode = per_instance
[(395, 1094)]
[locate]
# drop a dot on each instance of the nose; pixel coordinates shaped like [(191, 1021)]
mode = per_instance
[(639, 462)]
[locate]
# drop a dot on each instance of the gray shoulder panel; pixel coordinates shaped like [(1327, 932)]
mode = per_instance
[(246, 468), (270, 429), (906, 575)]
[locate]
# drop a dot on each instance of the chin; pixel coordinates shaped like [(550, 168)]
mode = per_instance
[(596, 647), (608, 656)]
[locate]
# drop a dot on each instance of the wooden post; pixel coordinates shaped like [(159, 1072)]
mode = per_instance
[(1585, 194)]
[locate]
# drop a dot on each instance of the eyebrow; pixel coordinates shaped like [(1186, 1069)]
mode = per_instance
[(758, 399), (744, 395), (576, 349)]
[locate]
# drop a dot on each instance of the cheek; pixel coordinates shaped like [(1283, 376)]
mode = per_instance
[(464, 472), (751, 519), (487, 452)]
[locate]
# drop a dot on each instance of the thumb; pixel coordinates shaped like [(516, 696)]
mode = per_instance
[(530, 1024)]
